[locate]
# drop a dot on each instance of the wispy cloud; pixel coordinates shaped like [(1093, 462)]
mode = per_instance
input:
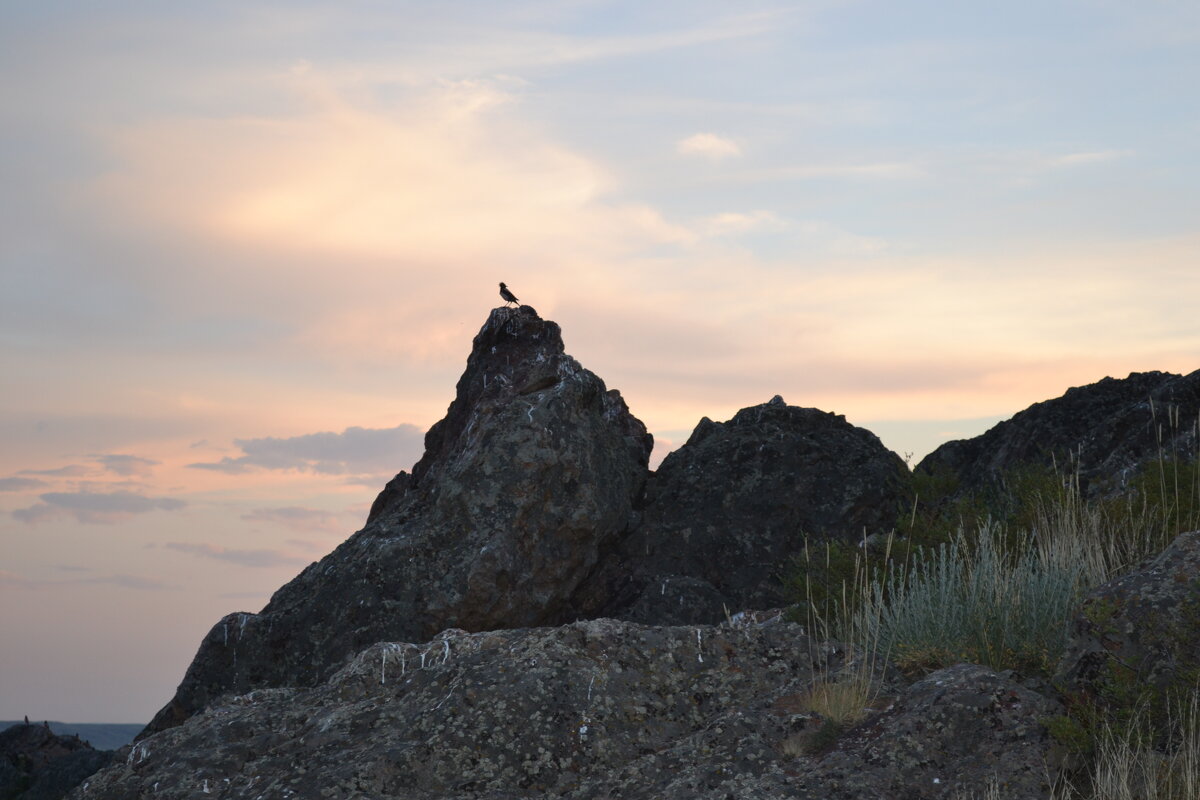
[(15, 580), (20, 484), (95, 507), (245, 558), (732, 223), (1088, 157), (708, 145), (857, 171), (806, 235), (69, 471), (296, 518), (354, 450), (126, 464)]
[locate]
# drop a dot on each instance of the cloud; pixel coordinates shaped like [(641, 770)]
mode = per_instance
[(15, 580), (20, 484), (296, 518), (69, 471), (125, 581), (880, 170), (245, 558), (355, 451), (95, 507), (126, 465), (733, 223), (446, 171), (1092, 157), (708, 145)]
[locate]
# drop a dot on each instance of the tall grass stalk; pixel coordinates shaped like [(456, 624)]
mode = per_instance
[(1129, 766)]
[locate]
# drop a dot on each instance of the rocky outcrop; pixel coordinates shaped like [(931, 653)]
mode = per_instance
[(532, 473), (1106, 430), (1136, 639), (36, 764), (599, 709), (725, 511), (953, 734)]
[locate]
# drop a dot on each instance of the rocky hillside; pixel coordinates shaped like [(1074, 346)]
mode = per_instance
[(1106, 432), (533, 613)]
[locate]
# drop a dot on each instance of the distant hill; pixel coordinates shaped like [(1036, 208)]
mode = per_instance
[(100, 735)]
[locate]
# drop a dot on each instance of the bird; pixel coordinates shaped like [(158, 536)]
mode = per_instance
[(508, 296)]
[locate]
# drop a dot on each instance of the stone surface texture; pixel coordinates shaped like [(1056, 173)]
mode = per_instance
[(597, 709), (533, 471), (1106, 430), (1139, 633), (725, 511)]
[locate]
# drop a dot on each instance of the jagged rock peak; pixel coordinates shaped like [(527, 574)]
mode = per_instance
[(531, 474)]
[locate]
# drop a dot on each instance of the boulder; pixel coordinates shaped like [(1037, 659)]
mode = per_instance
[(596, 709), (1106, 431), (955, 733), (1136, 639), (725, 511), (531, 474)]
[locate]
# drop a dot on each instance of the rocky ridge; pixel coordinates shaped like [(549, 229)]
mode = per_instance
[(1105, 432), (479, 637)]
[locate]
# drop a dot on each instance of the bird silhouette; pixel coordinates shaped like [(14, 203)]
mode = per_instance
[(508, 296)]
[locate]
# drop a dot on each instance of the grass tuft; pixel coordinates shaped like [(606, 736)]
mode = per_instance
[(992, 600)]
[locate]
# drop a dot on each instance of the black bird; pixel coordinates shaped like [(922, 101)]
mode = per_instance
[(508, 296)]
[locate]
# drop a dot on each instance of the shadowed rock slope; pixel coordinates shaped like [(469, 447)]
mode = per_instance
[(1106, 430), (534, 469), (725, 511)]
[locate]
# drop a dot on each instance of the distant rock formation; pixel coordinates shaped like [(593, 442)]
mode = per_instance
[(36, 764), (533, 471), (1106, 430), (598, 709), (725, 511)]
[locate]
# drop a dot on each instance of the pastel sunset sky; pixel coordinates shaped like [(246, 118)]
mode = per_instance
[(244, 247)]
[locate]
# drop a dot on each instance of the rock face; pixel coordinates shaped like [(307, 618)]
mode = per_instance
[(533, 471), (1107, 429), (1137, 637), (35, 764), (599, 709), (725, 511)]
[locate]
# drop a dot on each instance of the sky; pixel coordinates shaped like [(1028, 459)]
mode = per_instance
[(244, 248)]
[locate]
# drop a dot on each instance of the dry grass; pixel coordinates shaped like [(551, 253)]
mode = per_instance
[(1139, 763), (991, 791), (842, 699)]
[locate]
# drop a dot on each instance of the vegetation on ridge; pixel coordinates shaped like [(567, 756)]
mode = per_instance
[(994, 577)]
